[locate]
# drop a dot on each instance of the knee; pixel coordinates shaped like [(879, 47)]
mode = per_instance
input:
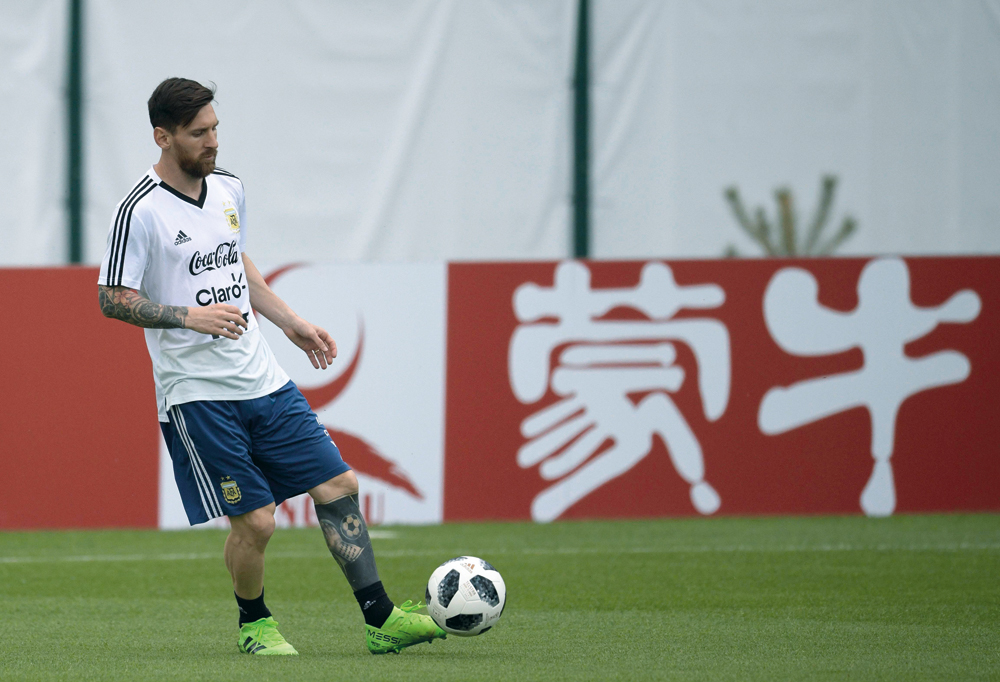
[(348, 482), (255, 527), (339, 486)]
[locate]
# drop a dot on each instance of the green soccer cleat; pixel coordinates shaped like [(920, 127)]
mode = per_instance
[(403, 628), (261, 637)]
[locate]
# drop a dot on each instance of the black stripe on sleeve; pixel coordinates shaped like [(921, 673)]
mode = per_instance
[(117, 234), (225, 173), (128, 226)]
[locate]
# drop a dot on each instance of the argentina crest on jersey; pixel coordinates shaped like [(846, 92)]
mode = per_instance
[(232, 216)]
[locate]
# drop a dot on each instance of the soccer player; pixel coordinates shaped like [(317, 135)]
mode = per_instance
[(241, 435)]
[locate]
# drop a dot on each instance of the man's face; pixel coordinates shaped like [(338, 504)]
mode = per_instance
[(196, 145)]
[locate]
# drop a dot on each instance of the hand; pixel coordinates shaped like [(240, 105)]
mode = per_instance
[(219, 319), (315, 341)]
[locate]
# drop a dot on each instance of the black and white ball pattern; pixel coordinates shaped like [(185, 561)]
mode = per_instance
[(351, 525), (465, 596)]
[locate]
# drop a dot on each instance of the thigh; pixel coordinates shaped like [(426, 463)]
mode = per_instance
[(291, 447), (216, 444)]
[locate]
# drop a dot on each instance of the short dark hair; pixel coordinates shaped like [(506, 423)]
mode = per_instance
[(176, 101)]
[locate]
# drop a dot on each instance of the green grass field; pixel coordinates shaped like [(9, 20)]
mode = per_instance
[(906, 598)]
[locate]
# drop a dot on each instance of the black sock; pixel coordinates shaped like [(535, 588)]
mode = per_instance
[(252, 609), (375, 604)]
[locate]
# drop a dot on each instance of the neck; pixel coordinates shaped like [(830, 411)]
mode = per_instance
[(168, 171)]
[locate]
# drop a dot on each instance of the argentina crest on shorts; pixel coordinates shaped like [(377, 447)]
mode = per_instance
[(230, 490)]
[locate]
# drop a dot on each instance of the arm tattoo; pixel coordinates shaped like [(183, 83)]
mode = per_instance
[(127, 305)]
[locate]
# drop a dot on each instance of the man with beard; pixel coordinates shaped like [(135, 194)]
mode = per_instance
[(241, 435)]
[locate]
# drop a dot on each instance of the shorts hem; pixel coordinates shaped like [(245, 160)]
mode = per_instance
[(245, 507), (331, 473)]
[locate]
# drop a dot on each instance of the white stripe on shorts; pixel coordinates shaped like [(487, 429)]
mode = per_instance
[(209, 499), (197, 476), (198, 465)]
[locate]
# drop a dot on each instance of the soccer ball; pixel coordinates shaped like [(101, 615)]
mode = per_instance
[(465, 596)]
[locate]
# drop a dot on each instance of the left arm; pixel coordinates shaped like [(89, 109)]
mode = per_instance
[(315, 341)]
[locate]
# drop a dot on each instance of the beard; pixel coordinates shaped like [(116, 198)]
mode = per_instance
[(198, 166)]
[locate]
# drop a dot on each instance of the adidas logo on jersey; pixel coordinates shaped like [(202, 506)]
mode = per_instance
[(181, 238)]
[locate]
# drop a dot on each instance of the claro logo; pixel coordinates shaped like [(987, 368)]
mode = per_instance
[(224, 254), (222, 294)]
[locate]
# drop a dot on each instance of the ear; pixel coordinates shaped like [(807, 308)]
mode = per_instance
[(162, 138)]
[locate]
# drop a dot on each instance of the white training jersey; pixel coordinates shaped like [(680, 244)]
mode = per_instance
[(178, 251)]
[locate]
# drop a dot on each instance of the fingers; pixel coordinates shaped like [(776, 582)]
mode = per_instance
[(237, 316), (330, 347), (311, 354), (315, 349), (232, 322), (315, 341), (320, 347), (226, 314), (217, 320), (233, 329), (320, 357)]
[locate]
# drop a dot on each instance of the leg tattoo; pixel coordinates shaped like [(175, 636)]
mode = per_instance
[(347, 537)]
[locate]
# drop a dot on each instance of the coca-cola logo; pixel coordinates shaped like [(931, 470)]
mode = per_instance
[(225, 254)]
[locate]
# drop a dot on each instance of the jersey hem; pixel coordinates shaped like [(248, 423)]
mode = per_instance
[(228, 396)]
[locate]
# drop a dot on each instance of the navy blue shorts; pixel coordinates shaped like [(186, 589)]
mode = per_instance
[(233, 456)]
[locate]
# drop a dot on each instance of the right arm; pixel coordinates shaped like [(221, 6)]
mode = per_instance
[(127, 305)]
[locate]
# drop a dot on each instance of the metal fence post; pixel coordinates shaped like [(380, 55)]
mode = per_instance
[(581, 135), (74, 132)]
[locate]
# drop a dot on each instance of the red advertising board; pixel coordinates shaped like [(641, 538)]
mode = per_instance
[(722, 387), (578, 390), (78, 431)]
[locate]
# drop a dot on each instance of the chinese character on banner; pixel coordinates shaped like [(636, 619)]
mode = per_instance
[(613, 379), (881, 325)]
